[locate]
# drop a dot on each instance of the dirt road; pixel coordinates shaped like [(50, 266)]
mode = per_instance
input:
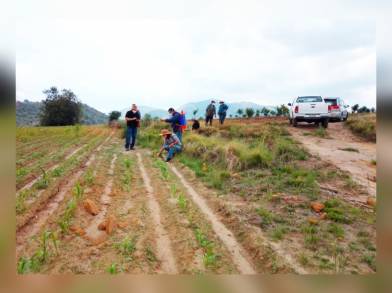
[(341, 148)]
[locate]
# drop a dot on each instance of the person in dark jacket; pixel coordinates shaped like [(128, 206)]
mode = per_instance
[(195, 124), (132, 118), (222, 111), (175, 122), (210, 112)]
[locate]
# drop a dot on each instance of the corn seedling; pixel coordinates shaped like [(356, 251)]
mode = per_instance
[(78, 191), (163, 168), (89, 177), (127, 163), (44, 181), (182, 202), (173, 190), (209, 258), (113, 269), (58, 172), (126, 180), (33, 264), (150, 255), (126, 246), (65, 219)]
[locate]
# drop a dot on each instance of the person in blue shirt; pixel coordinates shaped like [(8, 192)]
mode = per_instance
[(175, 121), (222, 111)]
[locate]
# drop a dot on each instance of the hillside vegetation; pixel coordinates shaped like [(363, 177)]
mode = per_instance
[(27, 114), (363, 125)]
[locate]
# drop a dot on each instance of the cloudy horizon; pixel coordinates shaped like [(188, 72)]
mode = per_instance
[(162, 54)]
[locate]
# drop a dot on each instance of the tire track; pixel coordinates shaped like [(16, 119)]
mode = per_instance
[(165, 253), (239, 256)]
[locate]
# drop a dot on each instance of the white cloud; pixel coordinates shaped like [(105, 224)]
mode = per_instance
[(167, 53)]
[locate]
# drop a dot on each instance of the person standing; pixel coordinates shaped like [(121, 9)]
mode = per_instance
[(171, 143), (132, 117), (175, 121), (222, 111), (210, 113)]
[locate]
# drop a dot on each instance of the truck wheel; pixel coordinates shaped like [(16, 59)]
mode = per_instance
[(325, 123), (291, 121), (317, 124), (345, 118), (295, 122)]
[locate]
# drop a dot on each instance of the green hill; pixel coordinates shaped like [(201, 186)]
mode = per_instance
[(27, 114)]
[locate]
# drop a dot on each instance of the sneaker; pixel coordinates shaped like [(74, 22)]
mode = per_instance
[(127, 150), (167, 160), (132, 148)]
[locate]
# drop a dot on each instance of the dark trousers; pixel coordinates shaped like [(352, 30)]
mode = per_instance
[(209, 119), (222, 118), (130, 137)]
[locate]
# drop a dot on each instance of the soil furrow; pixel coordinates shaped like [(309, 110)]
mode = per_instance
[(32, 182), (93, 233), (239, 255), (165, 253)]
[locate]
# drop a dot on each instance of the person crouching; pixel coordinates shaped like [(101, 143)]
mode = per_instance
[(171, 143)]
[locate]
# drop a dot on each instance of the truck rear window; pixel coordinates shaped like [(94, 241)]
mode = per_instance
[(332, 102), (309, 99)]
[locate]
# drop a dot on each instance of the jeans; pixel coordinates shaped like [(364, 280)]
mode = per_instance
[(222, 118), (171, 151), (130, 137), (179, 135), (209, 119)]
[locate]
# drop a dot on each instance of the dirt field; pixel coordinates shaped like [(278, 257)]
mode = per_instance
[(344, 150), (98, 209)]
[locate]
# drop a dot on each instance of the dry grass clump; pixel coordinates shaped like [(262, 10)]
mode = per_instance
[(363, 125)]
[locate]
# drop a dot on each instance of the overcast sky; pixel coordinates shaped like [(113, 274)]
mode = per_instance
[(164, 53)]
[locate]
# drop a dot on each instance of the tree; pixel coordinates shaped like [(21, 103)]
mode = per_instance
[(240, 112), (147, 119), (195, 112), (257, 113), (265, 111), (373, 110), (114, 115), (273, 113), (282, 110), (355, 108), (363, 109), (249, 112), (60, 108), (231, 115)]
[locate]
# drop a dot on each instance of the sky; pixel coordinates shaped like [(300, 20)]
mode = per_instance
[(168, 53)]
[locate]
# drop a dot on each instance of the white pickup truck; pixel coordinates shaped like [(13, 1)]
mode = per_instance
[(311, 109)]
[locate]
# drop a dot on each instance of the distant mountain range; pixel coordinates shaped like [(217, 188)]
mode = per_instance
[(201, 107), (27, 114)]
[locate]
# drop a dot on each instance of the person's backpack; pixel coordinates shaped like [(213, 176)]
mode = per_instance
[(210, 110), (182, 120)]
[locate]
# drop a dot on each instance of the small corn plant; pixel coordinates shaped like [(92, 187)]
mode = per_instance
[(127, 163), (78, 191), (127, 246), (44, 181), (113, 269), (182, 202)]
